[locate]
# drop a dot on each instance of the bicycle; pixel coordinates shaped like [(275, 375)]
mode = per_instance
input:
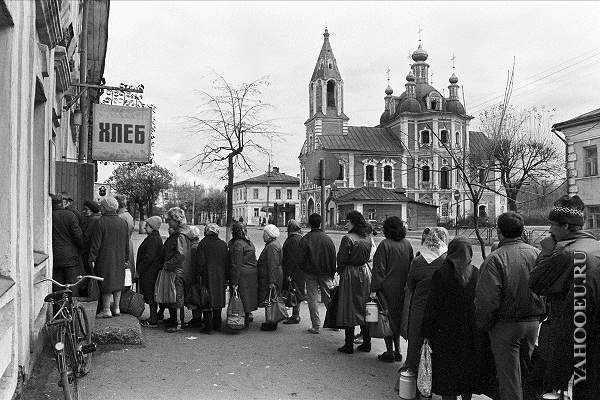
[(70, 335)]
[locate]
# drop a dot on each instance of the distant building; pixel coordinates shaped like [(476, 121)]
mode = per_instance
[(406, 157), (582, 135), (251, 203)]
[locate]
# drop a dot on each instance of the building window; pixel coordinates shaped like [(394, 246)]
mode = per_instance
[(482, 177), (256, 212), (592, 217), (445, 209), (278, 194), (458, 138), (341, 173), (370, 172), (387, 173), (444, 178), (255, 194), (372, 214), (424, 137), (444, 136), (330, 93), (590, 161), (289, 194), (425, 172), (434, 104)]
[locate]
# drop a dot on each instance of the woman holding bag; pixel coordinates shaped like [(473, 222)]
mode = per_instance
[(149, 262), (243, 274), (270, 272)]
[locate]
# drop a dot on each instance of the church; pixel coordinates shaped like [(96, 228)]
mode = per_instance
[(403, 166)]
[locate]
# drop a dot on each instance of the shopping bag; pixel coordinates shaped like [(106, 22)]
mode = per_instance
[(235, 312), (197, 297), (132, 303), (164, 289), (331, 314), (275, 309), (291, 295), (383, 326), (128, 281), (425, 374)]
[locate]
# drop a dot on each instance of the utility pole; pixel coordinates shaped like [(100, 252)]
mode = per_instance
[(322, 182), (194, 202), (269, 178), (85, 112)]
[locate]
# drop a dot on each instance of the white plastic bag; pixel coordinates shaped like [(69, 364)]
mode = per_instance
[(128, 280), (425, 372)]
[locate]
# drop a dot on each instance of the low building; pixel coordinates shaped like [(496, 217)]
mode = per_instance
[(582, 136), (272, 196)]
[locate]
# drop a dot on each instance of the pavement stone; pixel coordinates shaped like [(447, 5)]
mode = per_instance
[(124, 329)]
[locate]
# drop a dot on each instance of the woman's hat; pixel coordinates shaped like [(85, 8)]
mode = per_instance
[(92, 205), (154, 222), (272, 231)]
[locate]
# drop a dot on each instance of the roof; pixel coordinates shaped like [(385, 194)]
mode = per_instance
[(372, 139), (274, 179), (477, 140), (590, 116), (322, 69), (374, 194)]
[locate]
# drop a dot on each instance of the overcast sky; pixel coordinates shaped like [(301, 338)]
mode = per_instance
[(172, 47)]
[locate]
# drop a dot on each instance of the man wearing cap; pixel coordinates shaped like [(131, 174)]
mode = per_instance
[(68, 205), (570, 336), (66, 242)]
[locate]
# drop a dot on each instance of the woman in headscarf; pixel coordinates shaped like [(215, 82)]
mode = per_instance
[(149, 262), (292, 274), (430, 258), (449, 324), (355, 280), (91, 212), (390, 272), (270, 272), (190, 279), (243, 274), (211, 266)]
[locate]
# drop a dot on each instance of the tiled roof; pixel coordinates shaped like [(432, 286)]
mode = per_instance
[(363, 138), (274, 179), (477, 140), (590, 116), (370, 194)]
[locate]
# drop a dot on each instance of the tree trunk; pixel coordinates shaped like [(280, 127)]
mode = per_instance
[(229, 197), (150, 207), (141, 224), (511, 199), (476, 225)]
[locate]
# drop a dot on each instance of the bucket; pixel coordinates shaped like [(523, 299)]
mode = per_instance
[(371, 312), (407, 385)]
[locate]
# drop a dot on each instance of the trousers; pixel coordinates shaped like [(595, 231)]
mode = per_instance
[(313, 284)]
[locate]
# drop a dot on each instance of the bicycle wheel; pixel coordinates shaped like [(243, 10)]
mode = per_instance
[(68, 364), (84, 338)]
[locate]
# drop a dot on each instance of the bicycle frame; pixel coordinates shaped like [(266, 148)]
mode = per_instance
[(64, 317)]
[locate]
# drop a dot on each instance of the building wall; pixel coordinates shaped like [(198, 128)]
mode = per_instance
[(244, 202)]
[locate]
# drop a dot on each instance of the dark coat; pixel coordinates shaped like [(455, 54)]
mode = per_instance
[(211, 265), (149, 262), (109, 250), (419, 283), (66, 239), (90, 225), (355, 279), (126, 216), (390, 273), (318, 254), (177, 250), (80, 218), (242, 259), (291, 260), (269, 269)]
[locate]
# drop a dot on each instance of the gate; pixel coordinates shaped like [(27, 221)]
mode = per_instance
[(77, 179)]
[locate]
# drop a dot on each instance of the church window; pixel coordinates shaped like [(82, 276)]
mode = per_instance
[(370, 172), (425, 172), (387, 173), (457, 138), (444, 136), (444, 209), (330, 66), (434, 104), (341, 173), (424, 137), (331, 94), (444, 178)]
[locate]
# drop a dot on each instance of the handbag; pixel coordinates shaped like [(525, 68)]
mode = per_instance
[(425, 373), (164, 289), (275, 309), (197, 298), (132, 303), (383, 327), (235, 312), (291, 295), (331, 314)]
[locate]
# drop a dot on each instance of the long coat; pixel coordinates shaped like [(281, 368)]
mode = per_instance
[(291, 260), (269, 269), (66, 239), (90, 225), (177, 259), (211, 264), (419, 283), (244, 275), (109, 250), (390, 273), (149, 262), (124, 214), (355, 279)]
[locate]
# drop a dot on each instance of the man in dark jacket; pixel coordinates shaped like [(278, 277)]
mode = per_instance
[(68, 205), (293, 277), (567, 272), (318, 262), (66, 242), (506, 307)]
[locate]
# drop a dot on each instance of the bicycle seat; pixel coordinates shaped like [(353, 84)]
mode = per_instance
[(58, 295)]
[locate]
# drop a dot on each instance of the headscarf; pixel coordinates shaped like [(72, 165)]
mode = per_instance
[(211, 229), (238, 232), (92, 206), (109, 204), (460, 254), (177, 215), (293, 226), (154, 222), (271, 231), (194, 233), (434, 244)]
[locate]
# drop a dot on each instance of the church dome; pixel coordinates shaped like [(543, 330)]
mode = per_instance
[(389, 90), (410, 77), (455, 107), (409, 105), (453, 79), (419, 54)]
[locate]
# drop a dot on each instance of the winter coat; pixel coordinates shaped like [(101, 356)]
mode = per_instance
[(503, 292), (419, 283), (149, 262), (212, 265), (124, 214), (318, 254), (90, 225), (269, 269), (554, 277), (243, 273), (109, 250), (291, 260), (80, 218), (177, 250), (391, 263), (355, 279), (66, 239)]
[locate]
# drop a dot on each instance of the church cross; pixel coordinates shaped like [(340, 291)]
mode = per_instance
[(388, 74), (419, 32), (431, 79), (453, 58)]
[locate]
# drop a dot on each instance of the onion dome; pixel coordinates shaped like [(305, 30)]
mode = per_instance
[(419, 54), (453, 79), (389, 90), (455, 107), (385, 117), (410, 77), (410, 105)]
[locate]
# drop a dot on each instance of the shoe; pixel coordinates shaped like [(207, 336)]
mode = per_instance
[(346, 349), (365, 347), (116, 312), (397, 357), (358, 338), (193, 323), (148, 323), (104, 314), (267, 327), (292, 320), (173, 329), (313, 330), (386, 357)]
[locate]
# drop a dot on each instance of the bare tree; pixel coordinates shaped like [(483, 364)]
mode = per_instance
[(231, 126)]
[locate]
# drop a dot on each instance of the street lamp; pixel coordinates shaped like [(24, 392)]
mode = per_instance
[(456, 198)]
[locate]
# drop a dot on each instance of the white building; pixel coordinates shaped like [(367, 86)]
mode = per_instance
[(250, 198)]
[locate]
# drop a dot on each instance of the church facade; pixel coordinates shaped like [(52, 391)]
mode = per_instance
[(404, 166)]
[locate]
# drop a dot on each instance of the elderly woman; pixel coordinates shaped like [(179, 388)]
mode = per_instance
[(177, 258), (390, 272), (149, 262), (243, 273), (109, 251), (355, 280), (91, 212), (211, 264), (270, 272), (430, 258), (190, 280)]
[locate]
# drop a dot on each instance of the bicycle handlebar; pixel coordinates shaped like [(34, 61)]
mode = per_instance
[(70, 285)]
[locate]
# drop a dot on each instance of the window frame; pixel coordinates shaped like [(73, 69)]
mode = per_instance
[(428, 137), (372, 169), (289, 195), (277, 194), (590, 162), (423, 169), (255, 193)]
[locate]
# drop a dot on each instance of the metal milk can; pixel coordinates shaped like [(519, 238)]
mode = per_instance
[(371, 312), (407, 385)]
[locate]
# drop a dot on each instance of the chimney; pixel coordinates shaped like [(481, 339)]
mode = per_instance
[(275, 170)]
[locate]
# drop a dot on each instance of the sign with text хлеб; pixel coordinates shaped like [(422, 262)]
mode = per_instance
[(121, 133)]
